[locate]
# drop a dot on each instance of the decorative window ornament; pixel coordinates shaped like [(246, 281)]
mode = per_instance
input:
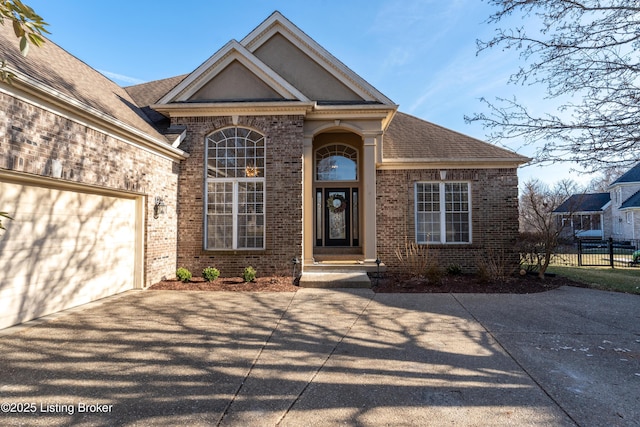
[(251, 171), (336, 203)]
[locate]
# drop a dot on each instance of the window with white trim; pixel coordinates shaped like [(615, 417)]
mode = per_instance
[(235, 193), (443, 212), (336, 162)]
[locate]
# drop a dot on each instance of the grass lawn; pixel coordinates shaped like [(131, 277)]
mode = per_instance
[(604, 278)]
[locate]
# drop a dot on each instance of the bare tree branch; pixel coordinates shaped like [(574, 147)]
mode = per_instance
[(587, 52)]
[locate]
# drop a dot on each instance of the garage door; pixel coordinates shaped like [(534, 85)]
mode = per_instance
[(63, 248)]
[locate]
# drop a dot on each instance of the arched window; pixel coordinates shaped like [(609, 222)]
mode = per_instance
[(235, 192), (336, 162)]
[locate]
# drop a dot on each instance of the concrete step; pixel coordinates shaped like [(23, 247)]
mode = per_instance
[(335, 279), (337, 266)]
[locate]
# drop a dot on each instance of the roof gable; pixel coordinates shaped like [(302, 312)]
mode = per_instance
[(254, 70), (235, 82), (279, 62), (318, 84)]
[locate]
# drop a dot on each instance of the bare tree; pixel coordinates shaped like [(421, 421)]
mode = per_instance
[(601, 182), (587, 55), (537, 203)]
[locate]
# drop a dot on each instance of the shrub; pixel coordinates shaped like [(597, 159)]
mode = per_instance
[(413, 258), (434, 274), (183, 274), (210, 274), (454, 269), (497, 264), (249, 274)]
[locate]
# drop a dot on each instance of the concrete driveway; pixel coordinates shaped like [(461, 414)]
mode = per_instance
[(326, 357)]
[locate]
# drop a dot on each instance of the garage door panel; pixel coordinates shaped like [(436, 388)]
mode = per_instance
[(67, 231), (64, 248)]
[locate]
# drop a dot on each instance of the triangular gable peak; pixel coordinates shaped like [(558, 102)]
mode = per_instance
[(210, 81), (275, 63), (278, 42)]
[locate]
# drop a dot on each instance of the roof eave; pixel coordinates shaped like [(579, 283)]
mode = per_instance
[(34, 88), (200, 109), (434, 163)]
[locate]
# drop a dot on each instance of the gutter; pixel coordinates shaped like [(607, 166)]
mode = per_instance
[(35, 88)]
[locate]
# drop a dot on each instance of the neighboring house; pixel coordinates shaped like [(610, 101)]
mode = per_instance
[(582, 215), (272, 150), (625, 206), (614, 214)]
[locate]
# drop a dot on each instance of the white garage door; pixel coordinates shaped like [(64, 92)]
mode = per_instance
[(63, 248)]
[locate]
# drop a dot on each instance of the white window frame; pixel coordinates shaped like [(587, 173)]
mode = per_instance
[(443, 213), (344, 148), (235, 200)]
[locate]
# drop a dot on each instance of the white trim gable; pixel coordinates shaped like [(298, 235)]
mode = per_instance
[(232, 51), (277, 23)]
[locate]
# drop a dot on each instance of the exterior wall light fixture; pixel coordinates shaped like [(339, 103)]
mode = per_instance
[(159, 208)]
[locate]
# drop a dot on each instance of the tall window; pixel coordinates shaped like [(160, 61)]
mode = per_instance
[(235, 193), (443, 212)]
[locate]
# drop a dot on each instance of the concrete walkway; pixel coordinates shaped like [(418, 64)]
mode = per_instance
[(328, 357)]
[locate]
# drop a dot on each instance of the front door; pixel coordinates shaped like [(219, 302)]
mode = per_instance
[(337, 217)]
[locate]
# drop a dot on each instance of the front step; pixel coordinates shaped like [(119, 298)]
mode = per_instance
[(335, 279)]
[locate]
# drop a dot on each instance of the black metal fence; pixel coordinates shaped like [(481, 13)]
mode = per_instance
[(609, 253)]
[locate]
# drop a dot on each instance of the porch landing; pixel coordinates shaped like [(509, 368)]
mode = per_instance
[(338, 273)]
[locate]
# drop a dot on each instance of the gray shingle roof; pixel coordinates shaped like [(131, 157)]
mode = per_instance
[(632, 202), (593, 202), (632, 175), (409, 137), (57, 69), (149, 93)]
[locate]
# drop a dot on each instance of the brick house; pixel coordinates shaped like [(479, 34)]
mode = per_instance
[(271, 150)]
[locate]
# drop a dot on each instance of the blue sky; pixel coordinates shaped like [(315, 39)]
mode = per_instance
[(419, 53)]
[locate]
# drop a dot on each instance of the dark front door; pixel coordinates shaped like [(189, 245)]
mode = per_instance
[(337, 217)]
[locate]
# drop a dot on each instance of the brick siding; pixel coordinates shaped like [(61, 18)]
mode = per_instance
[(494, 216), (283, 204), (31, 138)]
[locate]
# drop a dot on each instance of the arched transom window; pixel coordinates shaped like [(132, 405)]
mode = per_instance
[(336, 162), (235, 192)]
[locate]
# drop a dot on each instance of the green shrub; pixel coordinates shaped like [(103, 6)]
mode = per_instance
[(210, 274), (183, 274), (249, 274)]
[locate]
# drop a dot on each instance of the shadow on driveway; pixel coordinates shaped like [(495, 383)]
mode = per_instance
[(324, 357)]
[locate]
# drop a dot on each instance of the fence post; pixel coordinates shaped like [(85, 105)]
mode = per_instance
[(579, 253), (610, 245)]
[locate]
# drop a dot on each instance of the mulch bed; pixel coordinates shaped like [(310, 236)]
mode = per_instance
[(235, 284), (463, 283), (389, 284)]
